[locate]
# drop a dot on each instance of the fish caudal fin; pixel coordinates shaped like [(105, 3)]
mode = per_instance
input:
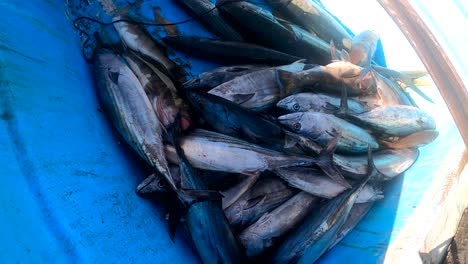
[(325, 162), (286, 82)]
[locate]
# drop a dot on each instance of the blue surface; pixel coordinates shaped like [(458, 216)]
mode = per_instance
[(67, 185)]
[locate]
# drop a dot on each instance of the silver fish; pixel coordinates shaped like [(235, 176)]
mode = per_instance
[(395, 120), (124, 100), (318, 184), (330, 79), (213, 151), (389, 162), (265, 195), (313, 237), (211, 79), (257, 90), (138, 40), (363, 47), (323, 128), (357, 213), (263, 234), (317, 102)]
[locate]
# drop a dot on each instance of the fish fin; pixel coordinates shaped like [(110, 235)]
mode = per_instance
[(174, 218), (286, 82), (238, 69), (343, 111), (418, 91), (345, 55), (242, 98), (325, 162), (250, 173), (114, 77), (334, 55), (290, 140), (330, 107), (372, 172), (300, 61), (255, 201), (309, 66), (234, 193)]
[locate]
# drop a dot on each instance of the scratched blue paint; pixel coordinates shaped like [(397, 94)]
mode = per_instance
[(67, 184)]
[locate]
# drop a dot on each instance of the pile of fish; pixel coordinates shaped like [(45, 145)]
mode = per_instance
[(277, 155)]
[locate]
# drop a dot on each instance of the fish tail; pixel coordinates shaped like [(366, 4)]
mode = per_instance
[(185, 197), (325, 162), (286, 82)]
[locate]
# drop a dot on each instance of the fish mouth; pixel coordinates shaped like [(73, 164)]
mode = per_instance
[(290, 118)]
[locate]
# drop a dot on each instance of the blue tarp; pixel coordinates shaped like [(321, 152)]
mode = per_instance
[(66, 179)]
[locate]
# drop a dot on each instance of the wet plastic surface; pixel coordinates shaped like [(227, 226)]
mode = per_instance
[(67, 184)]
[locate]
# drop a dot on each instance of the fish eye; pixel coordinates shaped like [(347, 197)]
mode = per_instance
[(297, 126), (296, 107), (161, 184), (197, 81)]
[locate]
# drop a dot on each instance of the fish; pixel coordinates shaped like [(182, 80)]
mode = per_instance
[(124, 100), (394, 120), (357, 213), (389, 162), (209, 229), (388, 93), (138, 40), (313, 237), (265, 29), (211, 79), (329, 79), (213, 151), (228, 51), (314, 182), (208, 14), (318, 102), (231, 119), (311, 181), (322, 128), (314, 18), (266, 194), (160, 89), (258, 90), (363, 48), (414, 140), (408, 79), (266, 231), (156, 185)]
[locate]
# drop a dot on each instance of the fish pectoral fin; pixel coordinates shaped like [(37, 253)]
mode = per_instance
[(372, 172), (333, 53), (238, 69), (234, 193), (300, 61), (290, 140), (330, 107), (345, 55), (325, 162), (251, 173), (242, 98), (251, 203), (286, 82), (114, 77)]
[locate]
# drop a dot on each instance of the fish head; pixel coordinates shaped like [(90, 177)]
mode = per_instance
[(193, 83), (426, 121), (154, 185), (290, 103), (294, 121), (201, 101)]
